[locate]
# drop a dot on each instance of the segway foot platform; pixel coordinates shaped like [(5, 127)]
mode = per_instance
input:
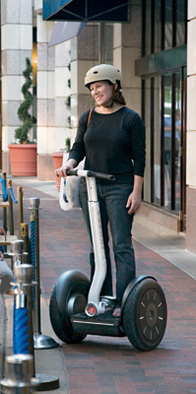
[(103, 324)]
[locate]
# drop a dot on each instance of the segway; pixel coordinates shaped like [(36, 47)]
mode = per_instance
[(77, 309)]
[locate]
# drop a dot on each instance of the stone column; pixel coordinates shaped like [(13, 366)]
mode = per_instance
[(191, 128), (52, 94), (45, 98), (127, 48), (84, 55), (16, 45), (62, 93)]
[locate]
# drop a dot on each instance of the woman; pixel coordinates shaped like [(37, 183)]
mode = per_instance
[(113, 142)]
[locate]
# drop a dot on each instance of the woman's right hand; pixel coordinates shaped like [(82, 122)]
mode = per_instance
[(62, 171)]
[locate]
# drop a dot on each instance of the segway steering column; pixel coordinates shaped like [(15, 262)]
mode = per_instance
[(94, 305)]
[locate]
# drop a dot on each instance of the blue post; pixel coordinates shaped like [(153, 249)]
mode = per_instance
[(14, 199), (4, 190), (21, 337), (32, 248), (32, 253), (41, 341), (23, 323)]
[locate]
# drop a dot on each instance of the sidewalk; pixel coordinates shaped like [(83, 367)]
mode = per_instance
[(104, 364)]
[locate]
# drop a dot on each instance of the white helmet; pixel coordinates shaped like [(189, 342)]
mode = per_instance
[(103, 72)]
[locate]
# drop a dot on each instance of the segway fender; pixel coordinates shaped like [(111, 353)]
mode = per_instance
[(65, 286), (132, 284)]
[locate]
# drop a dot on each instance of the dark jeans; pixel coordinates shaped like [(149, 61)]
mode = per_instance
[(112, 200)]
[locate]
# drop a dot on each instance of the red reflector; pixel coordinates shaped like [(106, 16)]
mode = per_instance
[(92, 310)]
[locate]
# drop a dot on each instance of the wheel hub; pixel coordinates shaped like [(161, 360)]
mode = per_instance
[(151, 314)]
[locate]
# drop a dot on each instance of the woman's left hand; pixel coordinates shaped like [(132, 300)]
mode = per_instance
[(1, 256), (2, 231), (133, 202), (134, 199)]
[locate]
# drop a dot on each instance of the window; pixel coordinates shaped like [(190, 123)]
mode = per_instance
[(158, 26), (164, 25), (168, 25), (162, 116), (172, 140), (164, 103), (146, 117), (180, 22), (152, 119), (148, 28), (157, 140)]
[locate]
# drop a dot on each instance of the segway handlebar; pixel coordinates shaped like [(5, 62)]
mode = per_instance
[(88, 173)]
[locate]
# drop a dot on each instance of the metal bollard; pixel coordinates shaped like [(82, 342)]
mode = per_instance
[(23, 337), (23, 323), (41, 341), (11, 212), (4, 209), (24, 230), (20, 378), (20, 209), (18, 254), (34, 218)]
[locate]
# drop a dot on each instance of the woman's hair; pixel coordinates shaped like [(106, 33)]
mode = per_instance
[(117, 95)]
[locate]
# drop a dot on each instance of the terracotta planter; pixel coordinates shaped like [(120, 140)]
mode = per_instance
[(58, 161), (23, 159)]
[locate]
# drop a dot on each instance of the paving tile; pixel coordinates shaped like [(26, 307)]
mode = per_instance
[(103, 365)]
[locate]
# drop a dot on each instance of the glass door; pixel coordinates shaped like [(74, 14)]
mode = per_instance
[(164, 114), (173, 148)]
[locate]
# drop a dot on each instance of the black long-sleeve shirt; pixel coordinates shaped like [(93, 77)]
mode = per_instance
[(112, 143)]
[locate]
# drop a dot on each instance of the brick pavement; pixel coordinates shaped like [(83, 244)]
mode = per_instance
[(111, 365)]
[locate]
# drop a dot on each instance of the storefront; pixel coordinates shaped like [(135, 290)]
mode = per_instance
[(162, 68)]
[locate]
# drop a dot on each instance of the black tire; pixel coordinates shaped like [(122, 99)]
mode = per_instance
[(60, 321), (145, 315)]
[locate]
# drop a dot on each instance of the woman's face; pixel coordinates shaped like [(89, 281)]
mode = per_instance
[(101, 91)]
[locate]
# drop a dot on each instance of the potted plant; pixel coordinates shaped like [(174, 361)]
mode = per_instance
[(23, 153), (58, 159)]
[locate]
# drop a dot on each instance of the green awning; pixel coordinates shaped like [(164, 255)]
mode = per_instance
[(86, 10)]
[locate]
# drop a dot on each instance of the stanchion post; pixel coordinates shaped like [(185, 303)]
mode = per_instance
[(4, 209), (20, 209), (20, 378), (34, 204), (41, 341), (24, 231), (17, 252), (23, 298), (11, 214)]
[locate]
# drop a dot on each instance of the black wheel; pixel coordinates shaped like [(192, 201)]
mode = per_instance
[(69, 296), (145, 315)]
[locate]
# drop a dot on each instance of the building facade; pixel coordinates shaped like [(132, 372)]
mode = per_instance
[(158, 65), (163, 70)]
